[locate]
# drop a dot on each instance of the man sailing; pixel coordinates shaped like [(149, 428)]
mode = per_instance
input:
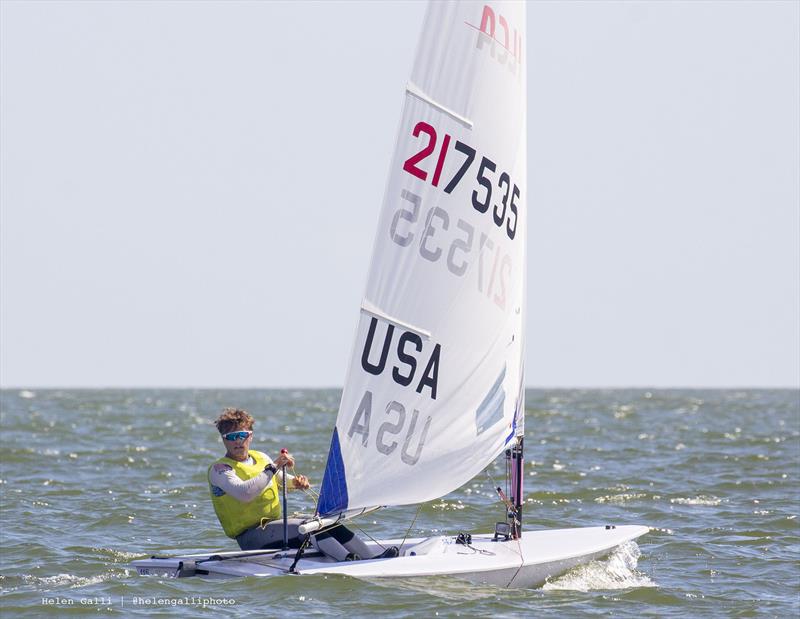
[(244, 492)]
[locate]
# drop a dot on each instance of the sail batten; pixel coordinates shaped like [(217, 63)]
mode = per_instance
[(415, 91), (370, 309), (436, 379)]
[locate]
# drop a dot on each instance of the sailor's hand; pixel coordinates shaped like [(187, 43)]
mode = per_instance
[(301, 482), (285, 459)]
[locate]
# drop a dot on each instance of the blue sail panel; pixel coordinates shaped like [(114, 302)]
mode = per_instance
[(333, 497)]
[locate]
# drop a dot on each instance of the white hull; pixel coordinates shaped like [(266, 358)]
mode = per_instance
[(527, 562)]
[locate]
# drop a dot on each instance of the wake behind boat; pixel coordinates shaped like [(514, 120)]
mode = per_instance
[(435, 389)]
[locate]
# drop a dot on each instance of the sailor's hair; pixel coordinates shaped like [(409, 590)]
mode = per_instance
[(233, 418)]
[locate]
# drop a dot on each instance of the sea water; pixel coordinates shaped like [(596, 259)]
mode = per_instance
[(91, 480)]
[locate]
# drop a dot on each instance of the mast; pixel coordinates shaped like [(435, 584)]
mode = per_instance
[(517, 479)]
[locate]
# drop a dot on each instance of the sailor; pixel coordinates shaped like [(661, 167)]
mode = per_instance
[(245, 494)]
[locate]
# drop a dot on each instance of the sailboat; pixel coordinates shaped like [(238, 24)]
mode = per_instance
[(434, 391)]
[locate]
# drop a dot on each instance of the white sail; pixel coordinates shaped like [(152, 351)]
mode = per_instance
[(435, 386)]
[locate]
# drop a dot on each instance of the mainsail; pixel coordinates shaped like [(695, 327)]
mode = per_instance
[(435, 386)]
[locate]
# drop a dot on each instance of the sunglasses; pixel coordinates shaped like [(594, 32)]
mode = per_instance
[(240, 435)]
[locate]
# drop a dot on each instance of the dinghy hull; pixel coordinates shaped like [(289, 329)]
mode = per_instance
[(525, 563)]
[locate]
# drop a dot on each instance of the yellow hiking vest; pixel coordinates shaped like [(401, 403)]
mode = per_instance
[(236, 516)]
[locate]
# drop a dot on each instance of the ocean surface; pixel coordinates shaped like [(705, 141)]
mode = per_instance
[(91, 480)]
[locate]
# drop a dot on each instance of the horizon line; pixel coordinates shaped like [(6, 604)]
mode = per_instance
[(329, 387)]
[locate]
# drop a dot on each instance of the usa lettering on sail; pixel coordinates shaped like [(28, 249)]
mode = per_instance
[(397, 425), (409, 345), (396, 417)]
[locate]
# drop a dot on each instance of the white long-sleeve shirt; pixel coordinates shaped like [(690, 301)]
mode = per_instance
[(223, 477)]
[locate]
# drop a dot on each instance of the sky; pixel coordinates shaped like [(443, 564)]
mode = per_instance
[(189, 190)]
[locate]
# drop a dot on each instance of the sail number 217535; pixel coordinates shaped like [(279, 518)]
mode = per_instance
[(504, 211)]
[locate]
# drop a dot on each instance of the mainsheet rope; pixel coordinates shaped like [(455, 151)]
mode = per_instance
[(315, 497)]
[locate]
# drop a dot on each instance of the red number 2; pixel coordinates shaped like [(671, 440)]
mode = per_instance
[(410, 165)]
